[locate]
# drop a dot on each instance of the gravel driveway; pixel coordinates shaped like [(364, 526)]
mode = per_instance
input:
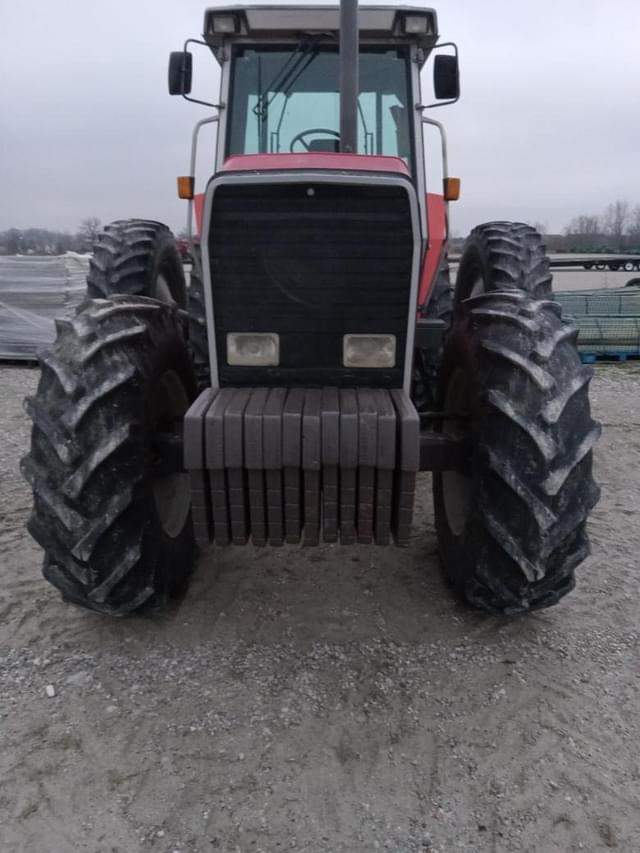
[(329, 699)]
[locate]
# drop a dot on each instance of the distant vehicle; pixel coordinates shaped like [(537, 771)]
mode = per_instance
[(184, 250), (612, 263)]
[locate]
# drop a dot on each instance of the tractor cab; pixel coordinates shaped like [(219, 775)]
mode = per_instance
[(283, 86), (309, 80)]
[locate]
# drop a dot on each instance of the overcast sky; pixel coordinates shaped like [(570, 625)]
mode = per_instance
[(548, 125)]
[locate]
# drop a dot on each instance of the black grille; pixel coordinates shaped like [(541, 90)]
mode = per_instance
[(312, 262)]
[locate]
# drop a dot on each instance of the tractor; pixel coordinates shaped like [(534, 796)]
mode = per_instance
[(319, 358)]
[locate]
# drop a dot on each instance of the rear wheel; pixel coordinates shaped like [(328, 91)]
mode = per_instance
[(503, 256), (512, 526), (137, 257), (111, 502)]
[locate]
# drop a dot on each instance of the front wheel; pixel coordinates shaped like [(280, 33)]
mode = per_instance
[(112, 506), (512, 525)]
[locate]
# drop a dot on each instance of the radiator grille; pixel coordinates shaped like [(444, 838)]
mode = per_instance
[(312, 262)]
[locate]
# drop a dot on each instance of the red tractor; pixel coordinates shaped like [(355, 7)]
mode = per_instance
[(319, 358)]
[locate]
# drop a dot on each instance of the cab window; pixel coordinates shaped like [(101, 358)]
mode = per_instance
[(287, 100)]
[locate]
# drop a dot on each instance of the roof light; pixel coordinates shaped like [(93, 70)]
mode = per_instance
[(417, 25), (225, 24)]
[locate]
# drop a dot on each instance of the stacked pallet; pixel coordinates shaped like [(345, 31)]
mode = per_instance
[(34, 290), (608, 322)]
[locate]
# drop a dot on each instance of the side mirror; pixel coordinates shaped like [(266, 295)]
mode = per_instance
[(446, 78), (180, 65)]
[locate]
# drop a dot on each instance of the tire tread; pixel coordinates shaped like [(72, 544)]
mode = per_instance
[(534, 434), (89, 454)]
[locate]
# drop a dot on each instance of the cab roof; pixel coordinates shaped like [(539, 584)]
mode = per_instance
[(393, 24)]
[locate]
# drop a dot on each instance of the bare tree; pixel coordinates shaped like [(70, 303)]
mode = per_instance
[(13, 241), (615, 221), (585, 224), (89, 230), (541, 227), (633, 228), (584, 232), (36, 241)]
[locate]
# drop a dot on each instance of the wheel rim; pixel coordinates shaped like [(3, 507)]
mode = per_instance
[(456, 485), (477, 288), (163, 291), (171, 489)]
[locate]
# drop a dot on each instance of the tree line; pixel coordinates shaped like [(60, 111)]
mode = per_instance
[(44, 241), (616, 229)]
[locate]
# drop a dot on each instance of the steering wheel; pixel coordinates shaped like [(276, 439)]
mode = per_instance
[(313, 131)]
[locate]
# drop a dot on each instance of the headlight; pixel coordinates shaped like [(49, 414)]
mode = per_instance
[(254, 349), (369, 350)]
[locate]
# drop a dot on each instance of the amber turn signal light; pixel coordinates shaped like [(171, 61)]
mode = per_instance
[(185, 186), (451, 189)]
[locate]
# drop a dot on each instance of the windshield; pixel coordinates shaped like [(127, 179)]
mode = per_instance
[(287, 100)]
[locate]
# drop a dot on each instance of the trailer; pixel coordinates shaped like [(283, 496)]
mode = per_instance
[(615, 262)]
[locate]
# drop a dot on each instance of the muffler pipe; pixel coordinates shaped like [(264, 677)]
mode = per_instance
[(349, 45)]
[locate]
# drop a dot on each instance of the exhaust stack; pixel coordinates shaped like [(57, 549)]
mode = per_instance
[(349, 48)]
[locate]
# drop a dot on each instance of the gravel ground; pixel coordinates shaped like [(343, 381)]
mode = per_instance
[(327, 699)]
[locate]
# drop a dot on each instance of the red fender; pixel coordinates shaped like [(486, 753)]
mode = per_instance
[(437, 228)]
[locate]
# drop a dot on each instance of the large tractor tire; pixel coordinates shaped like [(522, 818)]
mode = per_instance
[(137, 257), (198, 340), (512, 525), (111, 503), (503, 256)]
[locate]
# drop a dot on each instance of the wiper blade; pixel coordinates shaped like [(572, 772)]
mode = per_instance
[(305, 52)]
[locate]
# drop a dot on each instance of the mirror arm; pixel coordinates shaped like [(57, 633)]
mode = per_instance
[(435, 104), (196, 100), (206, 103), (452, 100)]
